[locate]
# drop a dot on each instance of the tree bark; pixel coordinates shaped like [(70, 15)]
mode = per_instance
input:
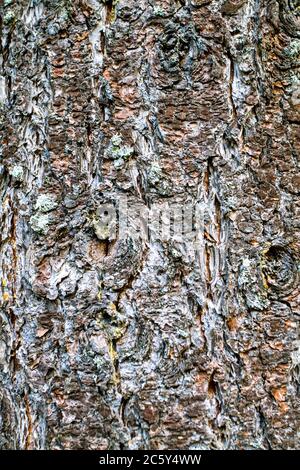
[(134, 341)]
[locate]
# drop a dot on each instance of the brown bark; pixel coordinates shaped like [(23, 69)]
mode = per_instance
[(134, 342)]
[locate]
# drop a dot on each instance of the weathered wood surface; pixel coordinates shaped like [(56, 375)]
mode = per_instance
[(134, 343)]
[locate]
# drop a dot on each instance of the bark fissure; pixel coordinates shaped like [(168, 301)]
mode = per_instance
[(118, 332)]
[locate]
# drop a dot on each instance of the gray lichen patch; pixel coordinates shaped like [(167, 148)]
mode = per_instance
[(293, 51), (40, 223), (158, 11), (101, 231), (41, 220), (155, 174), (45, 203), (118, 152), (8, 17), (103, 227), (17, 173), (116, 140)]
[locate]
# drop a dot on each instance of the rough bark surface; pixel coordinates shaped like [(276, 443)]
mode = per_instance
[(128, 344)]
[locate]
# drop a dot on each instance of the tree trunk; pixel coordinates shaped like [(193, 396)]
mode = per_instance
[(121, 328)]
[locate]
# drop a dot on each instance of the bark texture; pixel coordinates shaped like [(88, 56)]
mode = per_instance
[(129, 344)]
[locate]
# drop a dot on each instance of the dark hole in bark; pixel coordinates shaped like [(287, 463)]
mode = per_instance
[(279, 268), (275, 253), (211, 386)]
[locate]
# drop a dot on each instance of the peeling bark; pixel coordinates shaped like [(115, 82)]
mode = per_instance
[(134, 342)]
